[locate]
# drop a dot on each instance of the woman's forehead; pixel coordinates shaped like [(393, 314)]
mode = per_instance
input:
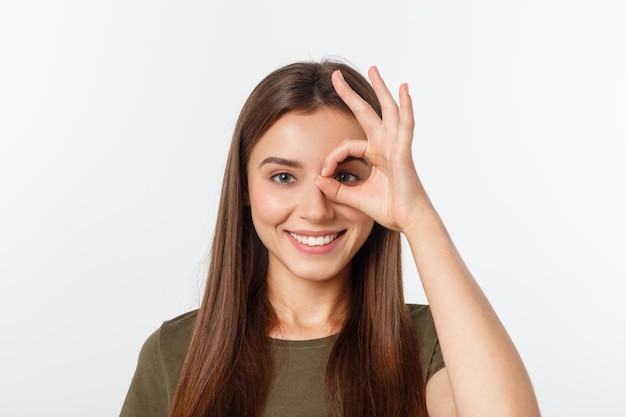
[(306, 135)]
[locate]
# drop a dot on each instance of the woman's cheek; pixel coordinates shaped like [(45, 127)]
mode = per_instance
[(269, 203)]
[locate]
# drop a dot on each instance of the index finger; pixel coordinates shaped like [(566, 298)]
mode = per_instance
[(349, 148)]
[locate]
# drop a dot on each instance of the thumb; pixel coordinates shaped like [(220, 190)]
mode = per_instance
[(338, 192)]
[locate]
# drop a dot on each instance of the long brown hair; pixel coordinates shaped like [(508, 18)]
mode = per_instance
[(373, 368)]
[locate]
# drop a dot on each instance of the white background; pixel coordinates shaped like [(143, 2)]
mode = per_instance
[(115, 117)]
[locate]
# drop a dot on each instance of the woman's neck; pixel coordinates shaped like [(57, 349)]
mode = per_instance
[(307, 310)]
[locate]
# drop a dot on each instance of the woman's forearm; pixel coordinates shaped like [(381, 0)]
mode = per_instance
[(486, 373)]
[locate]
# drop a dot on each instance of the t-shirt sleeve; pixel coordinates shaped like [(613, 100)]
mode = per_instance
[(147, 395), (430, 357), (436, 362)]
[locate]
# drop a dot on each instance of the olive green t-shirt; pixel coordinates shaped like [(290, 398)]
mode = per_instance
[(299, 366)]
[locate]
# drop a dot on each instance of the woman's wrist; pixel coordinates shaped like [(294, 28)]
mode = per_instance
[(422, 216)]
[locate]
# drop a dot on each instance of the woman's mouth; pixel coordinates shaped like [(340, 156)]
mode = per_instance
[(314, 240)]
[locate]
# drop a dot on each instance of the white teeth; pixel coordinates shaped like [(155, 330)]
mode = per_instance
[(314, 241)]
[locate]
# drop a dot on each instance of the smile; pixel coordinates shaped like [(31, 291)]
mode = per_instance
[(314, 240)]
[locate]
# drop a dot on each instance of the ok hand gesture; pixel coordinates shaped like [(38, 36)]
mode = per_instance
[(393, 194)]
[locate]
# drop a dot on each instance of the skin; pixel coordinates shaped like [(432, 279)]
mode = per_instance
[(308, 285), (484, 375), (307, 175)]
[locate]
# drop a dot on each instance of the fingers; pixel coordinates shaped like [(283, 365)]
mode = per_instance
[(355, 148), (387, 103), (394, 117), (339, 193), (333, 189), (400, 119), (388, 143), (365, 115), (407, 118)]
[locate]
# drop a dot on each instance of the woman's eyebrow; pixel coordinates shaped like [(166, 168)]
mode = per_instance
[(280, 161)]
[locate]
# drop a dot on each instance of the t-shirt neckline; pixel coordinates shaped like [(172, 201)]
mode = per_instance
[(305, 344)]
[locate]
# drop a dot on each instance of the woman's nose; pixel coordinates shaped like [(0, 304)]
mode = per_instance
[(314, 206)]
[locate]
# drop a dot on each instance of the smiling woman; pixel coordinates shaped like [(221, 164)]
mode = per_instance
[(291, 214), (303, 312)]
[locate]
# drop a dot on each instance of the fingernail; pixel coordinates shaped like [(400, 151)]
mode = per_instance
[(323, 171), (340, 75)]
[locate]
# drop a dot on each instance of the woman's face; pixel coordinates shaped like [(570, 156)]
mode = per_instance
[(307, 236)]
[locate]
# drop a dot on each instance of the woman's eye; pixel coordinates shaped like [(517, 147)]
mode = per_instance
[(346, 177), (283, 178)]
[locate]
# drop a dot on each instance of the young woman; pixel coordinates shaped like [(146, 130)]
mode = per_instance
[(303, 313)]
